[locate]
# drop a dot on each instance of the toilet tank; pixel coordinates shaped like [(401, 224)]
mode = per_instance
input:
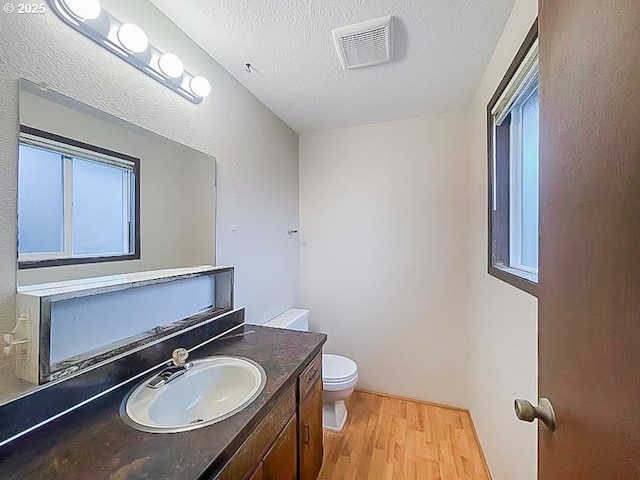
[(292, 319)]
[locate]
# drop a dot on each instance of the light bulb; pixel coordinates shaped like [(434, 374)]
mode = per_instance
[(84, 9), (200, 86), (171, 65), (133, 38)]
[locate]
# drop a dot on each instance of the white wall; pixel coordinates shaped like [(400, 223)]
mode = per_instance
[(503, 319), (177, 190), (383, 251), (256, 152)]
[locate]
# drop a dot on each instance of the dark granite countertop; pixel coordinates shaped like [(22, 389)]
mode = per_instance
[(93, 442)]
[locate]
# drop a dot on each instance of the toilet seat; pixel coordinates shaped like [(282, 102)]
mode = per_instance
[(338, 371)]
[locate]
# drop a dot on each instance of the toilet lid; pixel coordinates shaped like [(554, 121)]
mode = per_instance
[(336, 368)]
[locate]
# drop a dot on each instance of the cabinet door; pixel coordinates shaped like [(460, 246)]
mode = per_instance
[(257, 475), (281, 461), (311, 433), (262, 440)]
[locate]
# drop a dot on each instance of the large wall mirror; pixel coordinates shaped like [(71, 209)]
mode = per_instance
[(100, 196)]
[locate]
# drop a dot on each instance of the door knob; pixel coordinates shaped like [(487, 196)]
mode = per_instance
[(543, 412)]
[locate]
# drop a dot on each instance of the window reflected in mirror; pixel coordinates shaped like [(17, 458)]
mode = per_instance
[(76, 202)]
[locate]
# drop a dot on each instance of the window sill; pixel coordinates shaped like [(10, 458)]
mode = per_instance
[(59, 262), (527, 282)]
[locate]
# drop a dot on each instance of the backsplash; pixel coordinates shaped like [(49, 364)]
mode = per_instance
[(72, 325)]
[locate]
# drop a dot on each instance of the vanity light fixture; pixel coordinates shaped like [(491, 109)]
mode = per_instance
[(200, 86), (130, 42), (133, 38), (84, 9), (171, 65)]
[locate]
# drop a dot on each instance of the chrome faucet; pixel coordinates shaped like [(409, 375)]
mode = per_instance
[(177, 366)]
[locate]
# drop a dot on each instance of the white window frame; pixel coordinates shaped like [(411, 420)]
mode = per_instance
[(516, 145), (68, 154)]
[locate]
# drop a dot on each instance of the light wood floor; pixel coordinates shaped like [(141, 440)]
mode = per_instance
[(391, 438)]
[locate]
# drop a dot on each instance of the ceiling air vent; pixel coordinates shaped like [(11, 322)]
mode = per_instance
[(366, 43)]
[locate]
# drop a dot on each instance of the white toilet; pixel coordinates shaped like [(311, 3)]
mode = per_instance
[(339, 374)]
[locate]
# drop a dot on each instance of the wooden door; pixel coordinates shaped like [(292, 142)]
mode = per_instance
[(281, 463), (589, 303), (311, 432)]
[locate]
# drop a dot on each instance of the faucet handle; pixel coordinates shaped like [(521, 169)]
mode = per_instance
[(180, 356)]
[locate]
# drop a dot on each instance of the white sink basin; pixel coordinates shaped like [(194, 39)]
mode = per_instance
[(212, 390)]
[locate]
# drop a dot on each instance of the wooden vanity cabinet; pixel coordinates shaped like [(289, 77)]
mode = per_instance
[(254, 455), (310, 431), (281, 463), (288, 443), (258, 473)]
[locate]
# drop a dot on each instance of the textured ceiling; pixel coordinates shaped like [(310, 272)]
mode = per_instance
[(442, 48)]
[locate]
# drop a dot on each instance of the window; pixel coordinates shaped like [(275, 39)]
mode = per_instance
[(513, 132), (76, 203)]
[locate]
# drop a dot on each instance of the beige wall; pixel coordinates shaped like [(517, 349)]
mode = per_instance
[(257, 154), (384, 251), (177, 189), (503, 319)]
